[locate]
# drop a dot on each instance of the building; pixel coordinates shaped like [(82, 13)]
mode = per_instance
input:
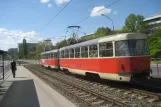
[(153, 22), (13, 52)]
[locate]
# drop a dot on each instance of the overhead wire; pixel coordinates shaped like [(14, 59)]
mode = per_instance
[(56, 15), (96, 12)]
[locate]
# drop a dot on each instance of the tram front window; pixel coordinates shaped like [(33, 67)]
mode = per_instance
[(138, 47), (131, 48)]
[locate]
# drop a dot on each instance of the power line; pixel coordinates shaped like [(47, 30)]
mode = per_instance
[(56, 15), (96, 12), (79, 31)]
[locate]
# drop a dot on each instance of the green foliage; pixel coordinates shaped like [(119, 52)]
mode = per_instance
[(123, 30), (130, 22), (39, 48), (88, 37), (31, 50), (61, 44), (24, 48), (154, 43), (134, 23), (102, 32)]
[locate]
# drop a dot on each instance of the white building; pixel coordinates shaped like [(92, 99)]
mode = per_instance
[(154, 22)]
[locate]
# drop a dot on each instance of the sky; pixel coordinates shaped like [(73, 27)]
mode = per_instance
[(29, 18)]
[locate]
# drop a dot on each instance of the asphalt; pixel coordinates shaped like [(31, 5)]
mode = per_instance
[(27, 90)]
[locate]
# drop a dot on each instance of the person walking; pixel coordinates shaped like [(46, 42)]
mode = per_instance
[(13, 68)]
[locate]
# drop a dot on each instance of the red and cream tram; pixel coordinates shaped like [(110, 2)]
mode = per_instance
[(50, 59), (117, 57)]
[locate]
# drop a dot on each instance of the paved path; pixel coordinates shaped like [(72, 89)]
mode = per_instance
[(26, 90)]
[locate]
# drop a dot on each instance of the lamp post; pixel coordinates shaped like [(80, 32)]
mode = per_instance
[(109, 19)]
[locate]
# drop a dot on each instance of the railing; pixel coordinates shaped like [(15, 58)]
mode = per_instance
[(156, 65), (4, 69)]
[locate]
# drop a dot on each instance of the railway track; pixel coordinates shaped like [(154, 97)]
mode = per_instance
[(87, 96), (96, 95)]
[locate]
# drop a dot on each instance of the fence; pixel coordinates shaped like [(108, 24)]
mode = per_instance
[(156, 66), (4, 65)]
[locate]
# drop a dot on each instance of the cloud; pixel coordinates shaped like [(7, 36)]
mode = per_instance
[(44, 1), (10, 38), (115, 12), (97, 11), (50, 5), (59, 2)]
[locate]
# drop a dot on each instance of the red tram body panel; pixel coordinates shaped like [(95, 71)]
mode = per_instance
[(50, 59), (108, 65)]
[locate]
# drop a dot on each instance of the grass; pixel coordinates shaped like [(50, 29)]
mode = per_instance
[(155, 62)]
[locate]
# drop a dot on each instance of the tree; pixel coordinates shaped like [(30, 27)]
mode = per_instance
[(135, 23), (39, 49), (46, 45), (102, 32), (154, 42), (61, 44), (24, 48), (124, 29), (31, 50)]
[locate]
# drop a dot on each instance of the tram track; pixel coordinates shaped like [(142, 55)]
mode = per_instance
[(89, 97), (101, 96)]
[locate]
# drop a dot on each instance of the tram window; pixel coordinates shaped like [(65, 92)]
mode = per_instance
[(77, 52), (122, 48), (71, 52), (48, 56), (66, 53), (93, 51), (106, 49), (62, 54), (51, 55), (84, 51), (55, 56)]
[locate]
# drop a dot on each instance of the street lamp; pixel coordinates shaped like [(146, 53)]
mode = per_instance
[(109, 19)]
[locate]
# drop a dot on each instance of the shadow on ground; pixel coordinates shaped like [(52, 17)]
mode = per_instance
[(21, 94)]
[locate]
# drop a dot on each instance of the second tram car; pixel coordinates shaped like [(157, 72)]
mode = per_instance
[(50, 59), (117, 57)]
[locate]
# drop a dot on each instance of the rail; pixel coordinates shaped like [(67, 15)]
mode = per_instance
[(103, 90), (75, 90)]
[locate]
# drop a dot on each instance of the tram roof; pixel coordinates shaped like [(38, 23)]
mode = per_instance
[(52, 51), (114, 37)]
